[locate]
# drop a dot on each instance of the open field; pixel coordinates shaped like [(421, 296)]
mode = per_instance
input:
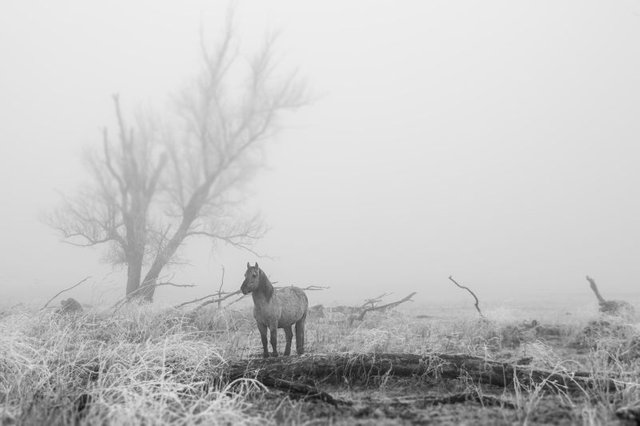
[(153, 365)]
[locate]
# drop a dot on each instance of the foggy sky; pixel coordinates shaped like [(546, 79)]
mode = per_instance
[(494, 141)]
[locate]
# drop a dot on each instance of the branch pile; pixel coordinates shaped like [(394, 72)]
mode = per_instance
[(359, 368)]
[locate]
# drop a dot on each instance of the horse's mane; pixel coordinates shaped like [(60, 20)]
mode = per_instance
[(264, 282)]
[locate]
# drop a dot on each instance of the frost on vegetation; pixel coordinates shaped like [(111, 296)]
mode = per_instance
[(160, 365), (141, 367)]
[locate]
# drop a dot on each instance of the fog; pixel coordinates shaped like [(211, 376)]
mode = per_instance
[(494, 141)]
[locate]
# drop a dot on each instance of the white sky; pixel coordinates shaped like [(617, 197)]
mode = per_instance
[(494, 141)]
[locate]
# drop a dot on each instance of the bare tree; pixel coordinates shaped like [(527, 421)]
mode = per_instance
[(160, 185)]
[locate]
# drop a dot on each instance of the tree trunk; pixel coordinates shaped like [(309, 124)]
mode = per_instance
[(361, 367), (134, 272), (166, 253), (161, 260)]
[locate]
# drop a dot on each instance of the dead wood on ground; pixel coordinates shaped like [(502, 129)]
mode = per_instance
[(477, 304), (363, 312), (611, 307), (372, 302), (137, 294), (455, 398), (363, 367), (297, 390)]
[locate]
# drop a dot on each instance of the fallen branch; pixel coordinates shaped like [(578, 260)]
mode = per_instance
[(372, 302), (297, 390), (358, 368), (382, 307), (477, 304), (66, 289), (228, 295), (455, 398), (461, 398), (199, 299), (237, 300), (612, 307), (312, 288), (220, 298), (139, 290)]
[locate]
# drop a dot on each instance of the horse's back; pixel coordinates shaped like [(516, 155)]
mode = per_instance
[(294, 304)]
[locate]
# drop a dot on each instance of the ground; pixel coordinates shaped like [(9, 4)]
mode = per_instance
[(155, 365)]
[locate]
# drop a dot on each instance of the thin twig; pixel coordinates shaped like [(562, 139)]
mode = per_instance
[(220, 289), (472, 293), (66, 289)]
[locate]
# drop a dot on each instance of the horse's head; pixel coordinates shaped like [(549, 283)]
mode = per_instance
[(251, 279)]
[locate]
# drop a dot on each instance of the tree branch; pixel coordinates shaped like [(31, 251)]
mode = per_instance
[(65, 290), (142, 289), (382, 307), (477, 304)]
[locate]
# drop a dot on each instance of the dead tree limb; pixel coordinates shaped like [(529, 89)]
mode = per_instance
[(594, 287), (222, 296), (297, 390), (612, 307), (455, 398), (219, 300), (141, 291), (220, 289), (382, 307), (66, 289), (359, 368), (372, 302), (237, 300), (238, 292), (477, 304), (199, 299), (312, 288)]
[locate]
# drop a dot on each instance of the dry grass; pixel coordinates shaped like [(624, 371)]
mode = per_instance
[(150, 365)]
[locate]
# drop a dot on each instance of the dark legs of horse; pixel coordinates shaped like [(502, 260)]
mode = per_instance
[(274, 340), (300, 335), (289, 335), (263, 336)]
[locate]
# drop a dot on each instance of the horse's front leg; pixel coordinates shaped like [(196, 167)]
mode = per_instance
[(300, 336), (262, 328), (274, 338), (289, 336)]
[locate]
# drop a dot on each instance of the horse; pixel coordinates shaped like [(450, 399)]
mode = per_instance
[(275, 309)]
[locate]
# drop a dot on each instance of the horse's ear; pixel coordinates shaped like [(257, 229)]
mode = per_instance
[(248, 265), (257, 265)]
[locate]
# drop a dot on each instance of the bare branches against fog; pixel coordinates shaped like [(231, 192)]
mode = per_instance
[(166, 179)]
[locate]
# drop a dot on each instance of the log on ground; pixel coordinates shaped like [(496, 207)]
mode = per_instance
[(360, 368)]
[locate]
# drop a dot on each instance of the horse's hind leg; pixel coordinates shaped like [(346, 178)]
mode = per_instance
[(300, 335), (289, 335), (274, 339)]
